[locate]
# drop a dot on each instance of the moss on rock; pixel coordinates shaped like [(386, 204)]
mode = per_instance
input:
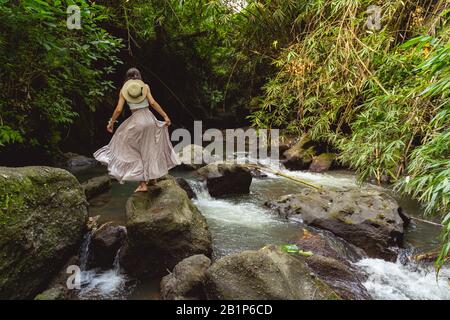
[(43, 212)]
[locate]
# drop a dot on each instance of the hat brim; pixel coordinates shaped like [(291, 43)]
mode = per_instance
[(131, 99)]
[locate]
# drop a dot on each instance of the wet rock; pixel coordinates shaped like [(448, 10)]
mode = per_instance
[(327, 244), (429, 257), (186, 187), (43, 218), (300, 155), (367, 218), (187, 280), (105, 243), (163, 228), (265, 274), (57, 289), (286, 142), (342, 277), (257, 173), (331, 262), (95, 186), (223, 179), (322, 162), (194, 157), (56, 293), (73, 160)]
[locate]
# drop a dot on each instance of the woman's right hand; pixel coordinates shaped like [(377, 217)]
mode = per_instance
[(110, 127)]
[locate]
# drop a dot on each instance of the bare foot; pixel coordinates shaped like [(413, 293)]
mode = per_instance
[(141, 188), (152, 182)]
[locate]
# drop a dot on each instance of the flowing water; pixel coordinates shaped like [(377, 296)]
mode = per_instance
[(242, 223)]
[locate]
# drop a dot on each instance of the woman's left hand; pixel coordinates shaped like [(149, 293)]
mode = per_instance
[(168, 122)]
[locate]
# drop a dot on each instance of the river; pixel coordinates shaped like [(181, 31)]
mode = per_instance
[(242, 222)]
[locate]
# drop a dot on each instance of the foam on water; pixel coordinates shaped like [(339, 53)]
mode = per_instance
[(395, 281), (230, 212), (238, 224), (342, 179), (98, 284)]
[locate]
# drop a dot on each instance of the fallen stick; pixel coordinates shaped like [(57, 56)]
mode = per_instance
[(426, 221), (281, 174)]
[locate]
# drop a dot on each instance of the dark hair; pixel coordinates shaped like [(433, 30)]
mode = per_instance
[(133, 74)]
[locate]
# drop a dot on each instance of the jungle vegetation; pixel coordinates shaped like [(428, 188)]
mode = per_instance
[(379, 97)]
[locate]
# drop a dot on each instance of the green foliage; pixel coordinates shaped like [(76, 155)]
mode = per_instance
[(382, 102), (47, 68)]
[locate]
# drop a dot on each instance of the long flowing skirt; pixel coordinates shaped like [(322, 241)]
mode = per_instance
[(140, 149)]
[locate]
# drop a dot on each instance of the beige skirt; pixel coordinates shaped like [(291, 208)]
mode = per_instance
[(140, 149)]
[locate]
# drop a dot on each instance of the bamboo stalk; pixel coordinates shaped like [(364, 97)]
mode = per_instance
[(281, 174), (426, 221)]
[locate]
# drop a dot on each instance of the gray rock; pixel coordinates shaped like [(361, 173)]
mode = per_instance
[(74, 160), (187, 280), (55, 293), (186, 187), (367, 218), (163, 228), (223, 179), (322, 162), (95, 186), (266, 274), (43, 218), (105, 243), (300, 155), (342, 277), (331, 262), (327, 244)]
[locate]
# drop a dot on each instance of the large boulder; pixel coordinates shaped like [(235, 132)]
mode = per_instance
[(368, 218), (74, 161), (345, 279), (223, 179), (332, 262), (105, 242), (187, 280), (95, 186), (163, 228), (326, 244), (322, 162), (300, 155), (266, 274), (43, 218)]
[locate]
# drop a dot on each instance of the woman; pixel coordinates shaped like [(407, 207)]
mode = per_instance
[(140, 150)]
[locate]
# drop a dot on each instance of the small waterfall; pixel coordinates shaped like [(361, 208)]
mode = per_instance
[(84, 250), (397, 281), (200, 190), (99, 284)]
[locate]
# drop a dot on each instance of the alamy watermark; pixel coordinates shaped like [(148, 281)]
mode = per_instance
[(73, 17), (74, 280), (239, 145), (374, 18)]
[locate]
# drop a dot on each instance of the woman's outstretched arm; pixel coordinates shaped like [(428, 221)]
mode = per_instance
[(116, 113), (158, 108)]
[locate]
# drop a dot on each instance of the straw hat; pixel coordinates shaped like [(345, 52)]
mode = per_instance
[(134, 91)]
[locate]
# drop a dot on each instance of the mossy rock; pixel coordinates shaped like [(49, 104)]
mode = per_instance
[(266, 274), (300, 155), (56, 293), (43, 213), (163, 228), (322, 162)]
